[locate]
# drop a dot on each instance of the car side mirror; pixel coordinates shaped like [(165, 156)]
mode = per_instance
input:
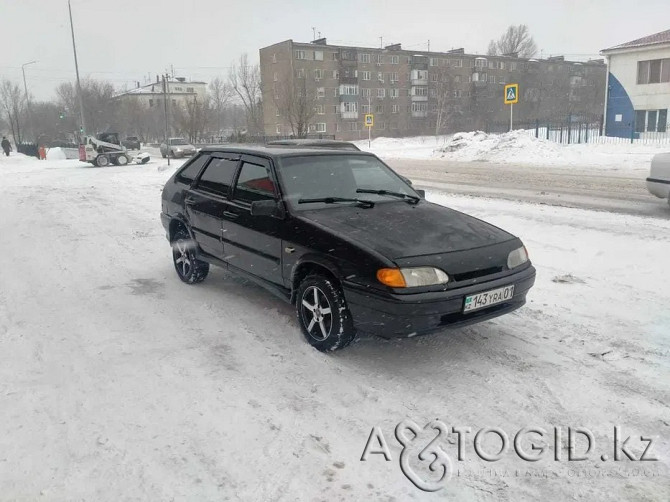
[(267, 208), (422, 193)]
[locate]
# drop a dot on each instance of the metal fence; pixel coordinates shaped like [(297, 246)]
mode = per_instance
[(576, 130)]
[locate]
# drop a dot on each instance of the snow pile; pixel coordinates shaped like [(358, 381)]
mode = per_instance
[(56, 153), (417, 147), (509, 147), (518, 147)]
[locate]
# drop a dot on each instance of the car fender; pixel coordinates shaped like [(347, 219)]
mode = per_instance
[(314, 259)]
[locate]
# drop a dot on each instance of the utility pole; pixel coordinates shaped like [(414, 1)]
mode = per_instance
[(167, 126), (25, 87), (428, 45), (313, 33), (76, 67), (381, 42)]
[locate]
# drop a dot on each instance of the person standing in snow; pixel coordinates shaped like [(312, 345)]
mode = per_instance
[(6, 146)]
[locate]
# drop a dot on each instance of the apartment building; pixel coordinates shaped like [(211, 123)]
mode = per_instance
[(418, 92)]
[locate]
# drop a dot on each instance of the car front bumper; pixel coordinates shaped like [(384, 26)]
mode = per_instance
[(392, 315), (659, 187)]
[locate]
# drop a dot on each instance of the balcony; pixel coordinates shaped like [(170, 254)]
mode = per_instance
[(419, 81), (419, 98), (419, 114), (349, 115)]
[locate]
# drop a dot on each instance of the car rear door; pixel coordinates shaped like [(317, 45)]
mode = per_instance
[(206, 201), (253, 243)]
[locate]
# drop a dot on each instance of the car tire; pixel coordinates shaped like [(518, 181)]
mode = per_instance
[(102, 161), (121, 160), (322, 312), (189, 269)]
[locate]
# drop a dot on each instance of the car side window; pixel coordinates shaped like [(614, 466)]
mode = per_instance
[(254, 183), (191, 170), (218, 176)]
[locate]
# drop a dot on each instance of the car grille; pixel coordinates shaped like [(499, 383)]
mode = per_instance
[(474, 274)]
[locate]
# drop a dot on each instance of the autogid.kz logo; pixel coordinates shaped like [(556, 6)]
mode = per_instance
[(424, 459)]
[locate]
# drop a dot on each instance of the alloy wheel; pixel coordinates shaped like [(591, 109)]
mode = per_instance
[(182, 257), (316, 312)]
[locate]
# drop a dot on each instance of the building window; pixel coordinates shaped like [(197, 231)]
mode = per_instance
[(320, 92), (301, 73), (381, 93), (457, 79), (336, 109), (318, 127), (458, 93), (337, 127), (367, 75), (382, 126), (457, 63), (395, 59), (492, 65), (350, 106), (408, 59), (274, 58), (433, 93), (492, 79), (379, 109), (318, 55), (333, 56), (353, 126), (480, 63), (365, 58), (433, 77), (393, 77), (336, 92), (365, 108), (419, 107), (336, 74), (501, 65), (300, 55), (512, 66), (277, 112), (433, 61), (349, 90), (653, 71), (366, 93), (394, 93), (651, 120), (318, 74), (151, 103), (380, 76), (278, 129), (395, 108), (275, 77), (190, 89)]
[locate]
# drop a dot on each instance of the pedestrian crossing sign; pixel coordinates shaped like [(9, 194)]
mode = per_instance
[(369, 120), (511, 94)]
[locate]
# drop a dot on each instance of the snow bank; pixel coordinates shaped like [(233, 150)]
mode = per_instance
[(56, 153), (516, 147)]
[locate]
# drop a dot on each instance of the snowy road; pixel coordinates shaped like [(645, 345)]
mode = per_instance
[(613, 190), (119, 382)]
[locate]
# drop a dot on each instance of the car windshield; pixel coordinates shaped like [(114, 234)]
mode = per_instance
[(339, 176), (178, 141)]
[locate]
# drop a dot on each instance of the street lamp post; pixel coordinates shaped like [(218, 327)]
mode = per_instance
[(25, 88), (76, 67)]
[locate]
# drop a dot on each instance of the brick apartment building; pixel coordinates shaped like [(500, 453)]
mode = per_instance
[(410, 91)]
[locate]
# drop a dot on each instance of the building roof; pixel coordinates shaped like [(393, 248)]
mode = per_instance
[(662, 37)]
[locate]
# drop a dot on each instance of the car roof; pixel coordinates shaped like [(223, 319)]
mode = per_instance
[(278, 151), (320, 143)]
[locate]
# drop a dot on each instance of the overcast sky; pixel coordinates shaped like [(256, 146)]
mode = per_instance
[(126, 40)]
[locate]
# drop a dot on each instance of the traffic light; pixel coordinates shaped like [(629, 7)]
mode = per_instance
[(81, 130), (61, 115)]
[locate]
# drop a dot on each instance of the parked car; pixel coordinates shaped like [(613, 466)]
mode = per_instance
[(132, 143), (344, 238), (177, 148), (314, 143), (658, 182)]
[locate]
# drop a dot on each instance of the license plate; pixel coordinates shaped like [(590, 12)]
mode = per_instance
[(488, 298)]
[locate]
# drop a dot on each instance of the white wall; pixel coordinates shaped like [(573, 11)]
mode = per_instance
[(643, 96)]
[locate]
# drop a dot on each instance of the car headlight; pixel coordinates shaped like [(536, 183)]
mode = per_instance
[(411, 277), (517, 257)]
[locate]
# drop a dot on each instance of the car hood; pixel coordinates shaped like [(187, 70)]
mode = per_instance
[(400, 230)]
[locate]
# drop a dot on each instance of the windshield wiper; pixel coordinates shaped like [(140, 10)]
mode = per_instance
[(409, 198), (333, 200)]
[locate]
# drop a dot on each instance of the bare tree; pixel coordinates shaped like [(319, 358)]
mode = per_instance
[(445, 101), (99, 108), (192, 118), (515, 41), (221, 94), (245, 79), (295, 97), (13, 103)]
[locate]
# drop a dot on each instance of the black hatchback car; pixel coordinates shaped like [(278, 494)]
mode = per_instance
[(344, 238)]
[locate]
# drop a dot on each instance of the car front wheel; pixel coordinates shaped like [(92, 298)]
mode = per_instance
[(322, 313), (188, 267)]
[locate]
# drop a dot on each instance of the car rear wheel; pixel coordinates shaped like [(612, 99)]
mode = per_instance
[(188, 267), (322, 313), (121, 160)]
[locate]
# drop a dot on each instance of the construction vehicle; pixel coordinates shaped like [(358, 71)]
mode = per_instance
[(105, 148)]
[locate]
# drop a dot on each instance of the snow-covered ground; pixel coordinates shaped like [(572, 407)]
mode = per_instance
[(518, 147), (119, 382)]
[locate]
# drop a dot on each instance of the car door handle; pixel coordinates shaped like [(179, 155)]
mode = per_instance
[(230, 215), (189, 201)]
